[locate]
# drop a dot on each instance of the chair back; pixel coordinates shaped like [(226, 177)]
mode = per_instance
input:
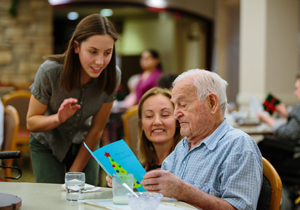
[(11, 125), (130, 124), (20, 100), (270, 194)]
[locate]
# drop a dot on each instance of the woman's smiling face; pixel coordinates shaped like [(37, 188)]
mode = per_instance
[(94, 54), (158, 122)]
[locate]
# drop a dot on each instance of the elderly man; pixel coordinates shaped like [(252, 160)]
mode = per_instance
[(215, 166)]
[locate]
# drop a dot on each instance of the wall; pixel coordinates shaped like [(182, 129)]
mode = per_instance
[(226, 45), (24, 39), (140, 34), (268, 49)]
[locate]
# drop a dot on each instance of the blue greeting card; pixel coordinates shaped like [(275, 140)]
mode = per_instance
[(117, 158)]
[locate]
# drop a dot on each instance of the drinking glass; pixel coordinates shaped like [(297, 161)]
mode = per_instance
[(119, 191), (74, 182)]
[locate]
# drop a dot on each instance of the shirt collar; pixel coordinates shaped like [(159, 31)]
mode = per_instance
[(90, 83), (212, 140)]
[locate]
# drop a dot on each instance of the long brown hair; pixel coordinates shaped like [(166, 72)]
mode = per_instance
[(91, 25), (146, 151)]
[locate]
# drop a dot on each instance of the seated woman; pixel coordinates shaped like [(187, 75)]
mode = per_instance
[(290, 130), (281, 156), (159, 132)]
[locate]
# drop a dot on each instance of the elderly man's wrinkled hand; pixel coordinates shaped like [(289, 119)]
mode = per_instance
[(163, 182)]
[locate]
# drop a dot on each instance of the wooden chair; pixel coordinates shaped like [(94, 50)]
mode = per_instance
[(130, 124), (270, 194), (20, 100), (11, 125)]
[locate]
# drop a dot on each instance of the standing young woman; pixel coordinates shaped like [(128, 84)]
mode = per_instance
[(152, 69), (72, 96)]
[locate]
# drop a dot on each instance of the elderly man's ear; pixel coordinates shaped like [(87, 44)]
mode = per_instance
[(213, 103)]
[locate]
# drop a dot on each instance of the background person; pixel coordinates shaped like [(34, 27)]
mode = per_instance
[(130, 99), (166, 80), (290, 130), (279, 148), (152, 69), (214, 165), (72, 96)]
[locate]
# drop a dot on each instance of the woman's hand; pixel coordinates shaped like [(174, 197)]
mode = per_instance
[(281, 109), (265, 118), (37, 121), (109, 180), (67, 110)]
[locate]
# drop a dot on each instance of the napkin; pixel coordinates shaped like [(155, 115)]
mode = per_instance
[(87, 188)]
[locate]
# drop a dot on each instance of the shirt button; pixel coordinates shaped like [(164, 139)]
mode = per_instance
[(80, 102), (183, 162), (70, 132), (78, 115), (75, 125)]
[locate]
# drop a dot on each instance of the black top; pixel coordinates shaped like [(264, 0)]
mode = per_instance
[(154, 167)]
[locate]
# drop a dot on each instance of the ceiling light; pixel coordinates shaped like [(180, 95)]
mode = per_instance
[(57, 2), (156, 3), (72, 15), (106, 12)]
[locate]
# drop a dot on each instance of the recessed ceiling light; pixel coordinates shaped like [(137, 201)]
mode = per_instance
[(72, 15), (156, 3), (106, 12), (56, 2)]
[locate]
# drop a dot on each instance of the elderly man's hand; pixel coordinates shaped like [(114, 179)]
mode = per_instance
[(163, 182)]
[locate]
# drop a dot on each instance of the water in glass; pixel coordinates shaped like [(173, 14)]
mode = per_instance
[(74, 182)]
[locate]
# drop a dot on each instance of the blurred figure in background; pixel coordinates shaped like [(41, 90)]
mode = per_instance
[(290, 130), (130, 99), (152, 70), (166, 80)]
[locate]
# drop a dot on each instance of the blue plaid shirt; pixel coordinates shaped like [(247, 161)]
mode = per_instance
[(227, 164)]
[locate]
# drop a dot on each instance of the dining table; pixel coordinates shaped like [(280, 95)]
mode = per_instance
[(43, 196), (256, 131)]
